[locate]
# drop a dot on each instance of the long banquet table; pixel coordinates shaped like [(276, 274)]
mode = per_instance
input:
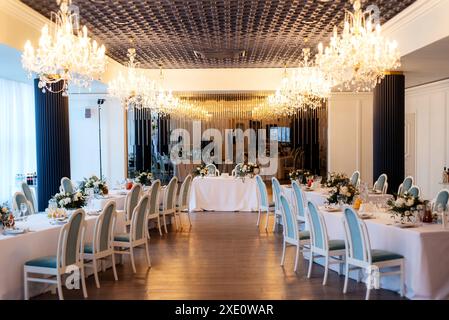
[(426, 250), (228, 194)]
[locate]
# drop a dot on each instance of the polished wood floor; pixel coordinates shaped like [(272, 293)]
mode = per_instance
[(223, 256)]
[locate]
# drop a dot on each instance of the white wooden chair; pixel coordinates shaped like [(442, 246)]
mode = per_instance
[(29, 194), (299, 203), (131, 201), (138, 234), (381, 184), (355, 179), (262, 196), (68, 258), (360, 255), (406, 185), (153, 208), (212, 170), (277, 191), (169, 203), (237, 167), (66, 186), (102, 245), (183, 199), (20, 198)]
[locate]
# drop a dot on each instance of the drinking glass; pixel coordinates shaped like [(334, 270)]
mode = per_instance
[(23, 210)]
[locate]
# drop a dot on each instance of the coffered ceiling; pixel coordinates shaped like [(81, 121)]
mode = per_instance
[(213, 33)]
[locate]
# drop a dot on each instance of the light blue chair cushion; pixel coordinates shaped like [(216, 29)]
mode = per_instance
[(290, 219), (122, 237), (382, 255), (336, 245), (407, 184), (304, 235), (316, 225), (299, 196), (442, 198), (356, 235), (43, 262), (414, 191), (262, 192), (73, 238), (88, 248)]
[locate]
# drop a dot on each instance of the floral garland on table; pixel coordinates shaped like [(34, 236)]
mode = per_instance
[(345, 192), (300, 175), (7, 218), (200, 171), (70, 201), (249, 169), (404, 205), (336, 179), (144, 178), (99, 185)]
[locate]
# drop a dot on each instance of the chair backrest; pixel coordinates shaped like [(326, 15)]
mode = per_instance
[(276, 193), (381, 183), (132, 199), (183, 198), (170, 194), (29, 195), (318, 231), (299, 201), (237, 167), (262, 193), (289, 219), (414, 191), (104, 228), (20, 198), (442, 199), (67, 185), (139, 219), (71, 240), (212, 170), (355, 178), (357, 242), (155, 190), (407, 184)]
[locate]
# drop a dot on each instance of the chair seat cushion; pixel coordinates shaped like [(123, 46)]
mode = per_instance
[(304, 235), (88, 248), (124, 237), (337, 245), (382, 255), (43, 262)]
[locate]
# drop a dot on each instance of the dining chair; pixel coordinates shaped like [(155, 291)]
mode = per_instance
[(169, 203), (68, 258), (355, 179), (360, 255), (20, 198), (291, 233), (441, 199), (299, 202), (29, 195), (153, 208), (131, 201), (277, 191), (381, 184), (164, 174), (212, 170), (182, 204), (333, 251), (138, 234), (405, 185), (102, 244), (414, 191), (236, 169), (67, 185), (262, 196)]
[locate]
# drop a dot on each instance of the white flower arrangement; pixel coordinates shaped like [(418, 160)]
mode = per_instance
[(200, 171), (144, 178), (98, 185), (70, 200)]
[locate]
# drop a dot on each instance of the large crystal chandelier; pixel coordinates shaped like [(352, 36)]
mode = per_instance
[(359, 57), (133, 89), (65, 54)]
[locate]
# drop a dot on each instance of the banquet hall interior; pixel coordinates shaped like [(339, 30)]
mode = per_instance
[(224, 149)]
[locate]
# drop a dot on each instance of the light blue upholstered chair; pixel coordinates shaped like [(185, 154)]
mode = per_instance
[(131, 201), (292, 235), (67, 185), (212, 170), (29, 194), (138, 235), (441, 199), (182, 204), (299, 202), (153, 208), (277, 191), (68, 258), (264, 203), (20, 198), (414, 191), (102, 244), (405, 185), (360, 255), (381, 185), (333, 251), (169, 203), (355, 179)]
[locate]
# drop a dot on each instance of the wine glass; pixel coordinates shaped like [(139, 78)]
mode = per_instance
[(23, 210)]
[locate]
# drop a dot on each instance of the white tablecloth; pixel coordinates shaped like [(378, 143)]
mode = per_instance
[(226, 194), (41, 241), (318, 197)]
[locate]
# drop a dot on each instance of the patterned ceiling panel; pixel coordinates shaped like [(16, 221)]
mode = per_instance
[(213, 33)]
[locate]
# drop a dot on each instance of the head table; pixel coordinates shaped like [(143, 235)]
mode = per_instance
[(426, 249), (228, 194)]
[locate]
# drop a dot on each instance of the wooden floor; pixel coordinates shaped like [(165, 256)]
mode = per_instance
[(223, 256)]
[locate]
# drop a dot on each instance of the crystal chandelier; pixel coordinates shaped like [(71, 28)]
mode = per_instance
[(359, 57), (66, 54), (134, 90)]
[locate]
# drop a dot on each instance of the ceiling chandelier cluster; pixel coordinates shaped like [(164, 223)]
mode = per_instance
[(358, 58), (65, 54)]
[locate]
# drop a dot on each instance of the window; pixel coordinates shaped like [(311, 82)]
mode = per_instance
[(283, 134), (17, 135)]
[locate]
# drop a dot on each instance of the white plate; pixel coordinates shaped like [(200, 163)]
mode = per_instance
[(331, 209), (407, 225), (14, 231)]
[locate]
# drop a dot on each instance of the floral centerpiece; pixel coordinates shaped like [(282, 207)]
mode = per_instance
[(7, 218), (300, 175), (98, 185), (200, 171), (144, 178), (249, 169), (336, 179), (70, 201), (403, 206), (344, 192)]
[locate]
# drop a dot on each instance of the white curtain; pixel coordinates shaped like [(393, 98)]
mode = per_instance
[(17, 135)]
